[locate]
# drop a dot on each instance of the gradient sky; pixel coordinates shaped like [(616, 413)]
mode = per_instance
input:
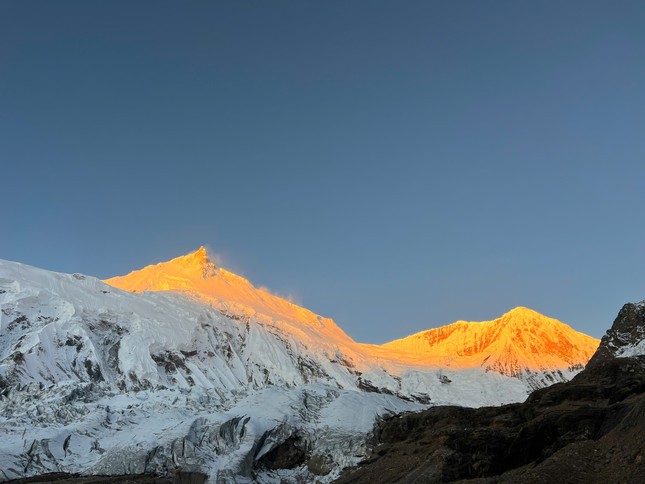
[(393, 165)]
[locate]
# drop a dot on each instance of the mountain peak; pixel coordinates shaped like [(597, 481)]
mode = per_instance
[(196, 258), (626, 337), (196, 277), (520, 340), (523, 312), (201, 253), (524, 316), (179, 274)]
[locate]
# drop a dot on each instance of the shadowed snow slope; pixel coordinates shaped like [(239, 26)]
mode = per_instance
[(192, 367)]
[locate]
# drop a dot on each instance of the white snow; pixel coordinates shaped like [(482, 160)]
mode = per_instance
[(99, 380), (633, 350)]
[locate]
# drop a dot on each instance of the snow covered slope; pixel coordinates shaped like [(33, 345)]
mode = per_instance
[(200, 372), (522, 343)]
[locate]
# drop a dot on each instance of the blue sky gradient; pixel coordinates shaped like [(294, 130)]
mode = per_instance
[(395, 166)]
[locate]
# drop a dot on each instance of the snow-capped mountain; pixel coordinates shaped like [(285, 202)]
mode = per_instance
[(193, 367), (522, 343)]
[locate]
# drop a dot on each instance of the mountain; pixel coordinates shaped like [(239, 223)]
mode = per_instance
[(589, 429), (626, 336), (522, 343), (192, 368)]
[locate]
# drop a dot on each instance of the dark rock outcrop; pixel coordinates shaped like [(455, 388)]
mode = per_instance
[(627, 331), (287, 455), (587, 430), (180, 477)]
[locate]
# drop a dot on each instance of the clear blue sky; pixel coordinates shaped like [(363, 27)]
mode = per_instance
[(393, 165)]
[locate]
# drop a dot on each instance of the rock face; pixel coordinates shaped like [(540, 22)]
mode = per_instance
[(626, 336), (587, 430)]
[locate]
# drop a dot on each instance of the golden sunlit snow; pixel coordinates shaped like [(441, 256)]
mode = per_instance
[(521, 339)]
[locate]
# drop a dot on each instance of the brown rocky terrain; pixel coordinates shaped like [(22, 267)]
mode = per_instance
[(591, 429), (65, 478)]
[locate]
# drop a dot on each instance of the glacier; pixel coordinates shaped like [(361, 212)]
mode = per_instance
[(175, 376)]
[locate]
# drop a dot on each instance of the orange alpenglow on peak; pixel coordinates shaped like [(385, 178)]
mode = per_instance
[(197, 277), (200, 254), (520, 339), (522, 312), (197, 258)]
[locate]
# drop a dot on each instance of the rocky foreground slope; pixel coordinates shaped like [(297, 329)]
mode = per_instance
[(587, 430)]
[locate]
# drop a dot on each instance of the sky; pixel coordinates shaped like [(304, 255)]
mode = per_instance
[(396, 166)]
